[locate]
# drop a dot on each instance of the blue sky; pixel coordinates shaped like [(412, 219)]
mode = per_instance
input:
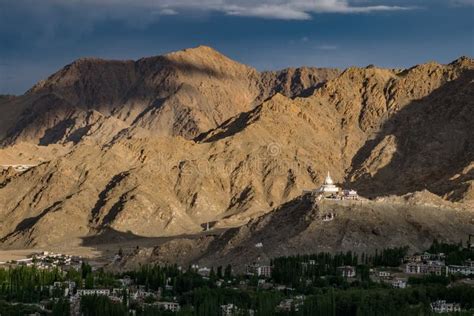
[(39, 37)]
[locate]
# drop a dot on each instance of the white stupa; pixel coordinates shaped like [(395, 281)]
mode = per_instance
[(328, 187)]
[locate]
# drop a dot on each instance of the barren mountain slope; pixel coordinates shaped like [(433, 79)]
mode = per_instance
[(297, 227), (392, 131), (124, 168), (166, 186), (181, 93), (427, 143), (293, 82)]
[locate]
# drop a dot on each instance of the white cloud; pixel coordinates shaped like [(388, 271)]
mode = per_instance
[(272, 9), (284, 12), (167, 11)]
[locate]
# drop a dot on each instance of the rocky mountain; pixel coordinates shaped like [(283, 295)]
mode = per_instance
[(162, 145), (183, 93), (304, 226)]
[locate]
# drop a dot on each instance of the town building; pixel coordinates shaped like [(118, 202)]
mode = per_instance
[(423, 257), (48, 260), (83, 292), (169, 306), (350, 195), (125, 281), (204, 271), (384, 274), (119, 291), (291, 304), (412, 258), (253, 269), (141, 294), (306, 265), (25, 262), (67, 287), (431, 267), (265, 271), (229, 310), (464, 270), (286, 305), (347, 271), (399, 283), (441, 306)]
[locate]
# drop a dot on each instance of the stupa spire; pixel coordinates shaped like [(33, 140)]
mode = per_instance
[(328, 179)]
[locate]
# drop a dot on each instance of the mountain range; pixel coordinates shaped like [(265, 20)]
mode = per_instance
[(162, 145)]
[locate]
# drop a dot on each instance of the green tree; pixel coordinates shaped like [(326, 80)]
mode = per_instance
[(228, 272), (61, 308)]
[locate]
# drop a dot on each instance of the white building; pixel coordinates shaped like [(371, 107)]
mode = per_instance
[(347, 271), (25, 261), (432, 267), (141, 294), (125, 281), (286, 305), (68, 287), (442, 307), (328, 187), (229, 310), (350, 194), (265, 271), (83, 292), (204, 271), (399, 283), (290, 304), (384, 274), (169, 306), (464, 270)]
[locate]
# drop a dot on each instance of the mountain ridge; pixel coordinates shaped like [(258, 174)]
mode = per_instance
[(161, 145), (180, 93)]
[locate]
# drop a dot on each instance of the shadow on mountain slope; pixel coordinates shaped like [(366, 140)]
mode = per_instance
[(103, 86), (433, 140), (230, 127)]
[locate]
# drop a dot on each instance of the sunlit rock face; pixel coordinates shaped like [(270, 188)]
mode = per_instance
[(161, 145)]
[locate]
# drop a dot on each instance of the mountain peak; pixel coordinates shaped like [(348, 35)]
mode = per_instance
[(201, 48), (200, 51), (463, 61)]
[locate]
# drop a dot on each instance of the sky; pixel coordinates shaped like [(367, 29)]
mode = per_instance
[(38, 37)]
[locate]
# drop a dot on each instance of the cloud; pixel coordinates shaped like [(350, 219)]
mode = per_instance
[(270, 9), (283, 12), (166, 11)]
